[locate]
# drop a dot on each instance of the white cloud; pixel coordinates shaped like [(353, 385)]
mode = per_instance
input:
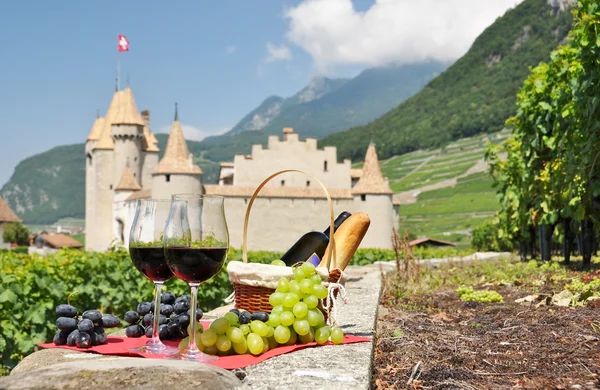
[(278, 53), (399, 31), (230, 49), (193, 133)]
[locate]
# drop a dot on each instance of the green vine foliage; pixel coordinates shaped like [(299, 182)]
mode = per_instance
[(550, 170)]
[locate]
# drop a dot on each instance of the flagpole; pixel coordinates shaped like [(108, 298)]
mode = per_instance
[(118, 70)]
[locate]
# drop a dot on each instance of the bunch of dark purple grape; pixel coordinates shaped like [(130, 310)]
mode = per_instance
[(85, 331), (173, 322)]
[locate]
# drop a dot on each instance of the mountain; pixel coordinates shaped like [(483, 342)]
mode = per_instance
[(324, 107), (475, 95), (271, 107), (51, 185)]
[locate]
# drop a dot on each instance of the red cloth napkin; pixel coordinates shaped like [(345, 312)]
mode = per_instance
[(119, 346)]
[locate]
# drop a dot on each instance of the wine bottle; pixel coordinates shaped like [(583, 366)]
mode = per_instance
[(312, 243)]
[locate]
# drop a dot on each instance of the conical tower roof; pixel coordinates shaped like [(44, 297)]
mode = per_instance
[(150, 143), (371, 181), (128, 182), (127, 113), (96, 131), (177, 156), (105, 140)]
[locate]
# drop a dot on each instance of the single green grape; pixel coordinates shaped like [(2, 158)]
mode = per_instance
[(290, 299), (199, 328), (270, 332), (233, 319), (212, 350), (272, 342), (259, 328), (277, 309), (241, 347), (301, 327), (306, 338), (223, 343), (313, 317), (298, 274), (183, 343), (319, 291), (265, 344), (295, 287), (283, 285), (282, 334), (337, 336), (293, 337), (322, 334), (306, 286), (308, 269), (311, 301), (274, 320), (209, 337), (276, 298), (300, 309), (235, 335), (220, 325), (316, 279), (280, 263), (245, 328), (254, 343), (287, 318)]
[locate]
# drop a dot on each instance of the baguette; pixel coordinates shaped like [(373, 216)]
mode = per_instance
[(347, 239)]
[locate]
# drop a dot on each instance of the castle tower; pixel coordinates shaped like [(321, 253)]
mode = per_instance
[(124, 212), (150, 152), (90, 143), (127, 134), (176, 172), (373, 195)]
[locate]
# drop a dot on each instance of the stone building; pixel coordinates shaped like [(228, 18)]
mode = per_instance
[(6, 216), (122, 166)]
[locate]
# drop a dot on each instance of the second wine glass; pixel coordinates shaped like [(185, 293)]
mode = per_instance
[(148, 256), (196, 241)]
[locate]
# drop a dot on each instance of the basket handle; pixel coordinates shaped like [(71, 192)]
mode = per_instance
[(328, 253)]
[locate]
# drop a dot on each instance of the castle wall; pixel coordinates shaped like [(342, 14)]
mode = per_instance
[(381, 211), (275, 224), (128, 150), (149, 162), (90, 187), (291, 153), (99, 229), (177, 184), (123, 214)]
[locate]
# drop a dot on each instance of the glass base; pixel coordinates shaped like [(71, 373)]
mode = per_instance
[(200, 357), (155, 349)]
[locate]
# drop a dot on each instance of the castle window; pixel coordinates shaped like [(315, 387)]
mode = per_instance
[(308, 183), (89, 158), (111, 186), (167, 178), (324, 166), (363, 197), (135, 159), (134, 174), (245, 200), (282, 183)]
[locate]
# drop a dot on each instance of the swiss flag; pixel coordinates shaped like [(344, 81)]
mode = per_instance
[(123, 43)]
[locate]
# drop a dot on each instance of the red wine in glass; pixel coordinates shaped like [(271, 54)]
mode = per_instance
[(196, 241), (148, 256)]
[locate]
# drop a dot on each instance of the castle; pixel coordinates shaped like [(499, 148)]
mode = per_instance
[(122, 165)]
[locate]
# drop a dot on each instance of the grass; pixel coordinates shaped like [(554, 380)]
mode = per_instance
[(458, 203)]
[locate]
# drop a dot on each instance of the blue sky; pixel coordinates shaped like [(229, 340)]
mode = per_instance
[(217, 59)]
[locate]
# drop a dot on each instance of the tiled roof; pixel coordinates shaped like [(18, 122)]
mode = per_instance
[(177, 157), (427, 239), (371, 181), (128, 182), (127, 113), (6, 213), (356, 173), (396, 200), (141, 194), (96, 130), (277, 192), (226, 164), (150, 143), (60, 240)]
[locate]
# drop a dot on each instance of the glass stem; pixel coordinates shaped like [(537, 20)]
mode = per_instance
[(192, 347), (155, 326)]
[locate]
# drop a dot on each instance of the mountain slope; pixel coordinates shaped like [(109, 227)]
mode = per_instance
[(51, 185), (475, 95), (325, 106)]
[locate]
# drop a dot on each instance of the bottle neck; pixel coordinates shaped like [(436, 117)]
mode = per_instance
[(338, 221)]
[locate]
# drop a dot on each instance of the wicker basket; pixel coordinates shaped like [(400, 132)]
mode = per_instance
[(253, 283)]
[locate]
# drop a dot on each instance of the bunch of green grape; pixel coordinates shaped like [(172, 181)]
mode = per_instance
[(467, 293), (295, 318)]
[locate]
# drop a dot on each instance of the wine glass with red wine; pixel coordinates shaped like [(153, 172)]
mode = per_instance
[(148, 255), (196, 241)]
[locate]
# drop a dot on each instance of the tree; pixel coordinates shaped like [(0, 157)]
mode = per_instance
[(16, 232)]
